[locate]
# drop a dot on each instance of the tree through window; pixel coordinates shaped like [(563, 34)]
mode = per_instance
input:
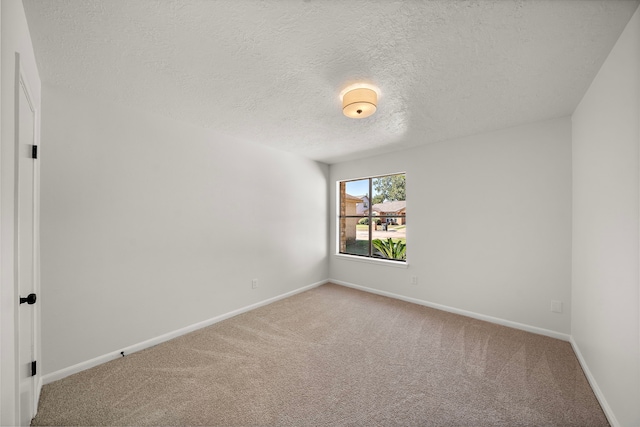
[(372, 217)]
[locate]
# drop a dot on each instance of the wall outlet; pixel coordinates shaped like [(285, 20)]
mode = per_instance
[(414, 280), (254, 283), (556, 306)]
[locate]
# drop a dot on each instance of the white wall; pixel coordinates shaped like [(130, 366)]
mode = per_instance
[(15, 39), (606, 263), (150, 225), (488, 224)]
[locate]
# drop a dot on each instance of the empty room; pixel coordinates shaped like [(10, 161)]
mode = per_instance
[(308, 212)]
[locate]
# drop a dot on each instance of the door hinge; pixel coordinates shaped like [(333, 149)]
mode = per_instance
[(34, 151), (33, 369)]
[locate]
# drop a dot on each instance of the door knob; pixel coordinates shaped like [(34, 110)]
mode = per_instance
[(30, 299)]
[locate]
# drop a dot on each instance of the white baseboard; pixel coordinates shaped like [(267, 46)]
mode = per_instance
[(62, 373), (594, 386), (496, 320)]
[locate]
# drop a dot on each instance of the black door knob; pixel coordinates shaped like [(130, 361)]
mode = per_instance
[(30, 299)]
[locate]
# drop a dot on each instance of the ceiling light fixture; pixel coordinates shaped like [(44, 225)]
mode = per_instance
[(359, 101)]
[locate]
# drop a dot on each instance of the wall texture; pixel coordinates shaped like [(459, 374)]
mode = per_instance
[(488, 224), (150, 225), (606, 257)]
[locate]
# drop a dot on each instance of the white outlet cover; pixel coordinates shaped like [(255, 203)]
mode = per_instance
[(556, 306)]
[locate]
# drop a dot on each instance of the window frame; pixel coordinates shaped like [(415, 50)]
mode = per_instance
[(342, 218)]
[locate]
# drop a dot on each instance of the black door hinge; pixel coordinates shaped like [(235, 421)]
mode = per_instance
[(34, 151), (33, 368)]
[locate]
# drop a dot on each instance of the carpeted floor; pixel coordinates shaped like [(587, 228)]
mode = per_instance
[(335, 356)]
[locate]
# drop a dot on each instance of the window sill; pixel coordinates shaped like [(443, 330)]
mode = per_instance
[(395, 264)]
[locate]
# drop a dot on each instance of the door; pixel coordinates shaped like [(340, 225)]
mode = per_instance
[(26, 245)]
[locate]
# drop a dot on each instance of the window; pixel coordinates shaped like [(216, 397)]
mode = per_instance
[(372, 217)]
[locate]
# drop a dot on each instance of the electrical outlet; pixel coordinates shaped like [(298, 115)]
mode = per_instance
[(556, 306), (254, 283), (414, 280)]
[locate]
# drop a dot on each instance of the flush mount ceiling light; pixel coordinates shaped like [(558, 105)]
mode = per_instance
[(359, 101)]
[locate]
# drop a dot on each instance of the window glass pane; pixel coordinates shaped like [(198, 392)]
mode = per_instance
[(389, 208), (389, 188), (357, 237), (357, 197), (396, 248)]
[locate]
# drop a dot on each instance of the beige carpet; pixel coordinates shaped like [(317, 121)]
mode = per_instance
[(335, 356)]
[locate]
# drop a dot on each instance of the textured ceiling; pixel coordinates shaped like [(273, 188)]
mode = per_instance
[(271, 71)]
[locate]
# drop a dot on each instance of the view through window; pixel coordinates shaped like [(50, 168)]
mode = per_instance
[(372, 217)]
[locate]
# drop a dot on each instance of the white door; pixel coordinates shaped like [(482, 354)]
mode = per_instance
[(26, 246)]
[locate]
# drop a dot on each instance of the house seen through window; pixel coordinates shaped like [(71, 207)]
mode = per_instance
[(372, 217)]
